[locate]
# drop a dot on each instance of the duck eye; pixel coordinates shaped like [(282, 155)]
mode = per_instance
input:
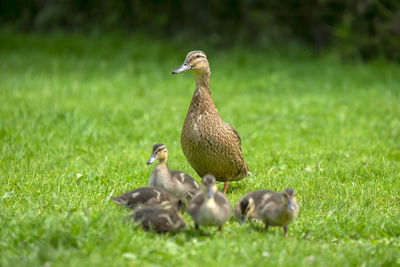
[(198, 56)]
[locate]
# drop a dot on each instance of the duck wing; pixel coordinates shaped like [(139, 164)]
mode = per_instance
[(185, 179), (195, 203), (223, 202), (275, 199), (154, 219), (141, 195), (235, 134), (243, 171)]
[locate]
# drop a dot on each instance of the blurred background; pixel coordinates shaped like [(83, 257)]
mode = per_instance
[(364, 29)]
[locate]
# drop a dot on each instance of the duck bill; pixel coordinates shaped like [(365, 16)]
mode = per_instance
[(151, 159), (184, 67), (242, 219), (210, 193)]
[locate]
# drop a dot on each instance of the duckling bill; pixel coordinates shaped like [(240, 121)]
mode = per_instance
[(211, 145)]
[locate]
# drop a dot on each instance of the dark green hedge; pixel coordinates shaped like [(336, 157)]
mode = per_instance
[(369, 28)]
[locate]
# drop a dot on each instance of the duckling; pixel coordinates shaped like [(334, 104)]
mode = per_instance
[(249, 204), (278, 209), (146, 196), (162, 219), (210, 144), (175, 183), (209, 206)]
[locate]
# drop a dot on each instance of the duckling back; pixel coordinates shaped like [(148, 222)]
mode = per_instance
[(159, 219), (142, 196), (277, 211)]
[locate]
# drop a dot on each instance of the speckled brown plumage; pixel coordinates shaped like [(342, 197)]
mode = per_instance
[(210, 144)]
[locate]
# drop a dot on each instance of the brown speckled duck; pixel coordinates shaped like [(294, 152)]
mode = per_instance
[(210, 144), (273, 208), (173, 182), (209, 207)]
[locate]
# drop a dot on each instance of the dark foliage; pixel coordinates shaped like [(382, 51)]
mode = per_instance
[(369, 28)]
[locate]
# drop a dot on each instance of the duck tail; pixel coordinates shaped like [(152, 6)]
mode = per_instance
[(245, 170)]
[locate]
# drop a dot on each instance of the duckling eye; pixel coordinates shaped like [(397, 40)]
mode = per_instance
[(198, 56)]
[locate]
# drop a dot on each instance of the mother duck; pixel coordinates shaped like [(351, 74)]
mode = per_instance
[(211, 145)]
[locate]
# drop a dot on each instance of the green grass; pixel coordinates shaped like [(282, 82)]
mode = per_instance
[(95, 106)]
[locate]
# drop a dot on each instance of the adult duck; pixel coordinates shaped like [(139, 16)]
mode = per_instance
[(211, 145)]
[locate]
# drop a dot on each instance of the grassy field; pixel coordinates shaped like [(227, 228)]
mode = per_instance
[(79, 117)]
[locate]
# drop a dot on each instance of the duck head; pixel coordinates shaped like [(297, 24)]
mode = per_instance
[(197, 62), (246, 207), (290, 200), (160, 152), (208, 186)]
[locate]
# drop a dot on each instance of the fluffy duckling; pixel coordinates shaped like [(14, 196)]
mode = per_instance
[(175, 183), (161, 219), (278, 209), (146, 196), (249, 204), (209, 207), (210, 144)]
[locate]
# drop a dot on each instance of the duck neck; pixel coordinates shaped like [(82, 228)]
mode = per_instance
[(202, 100), (203, 80), (164, 161)]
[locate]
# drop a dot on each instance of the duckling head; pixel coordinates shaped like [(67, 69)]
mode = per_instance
[(290, 198), (246, 207), (195, 61), (160, 152), (208, 186)]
